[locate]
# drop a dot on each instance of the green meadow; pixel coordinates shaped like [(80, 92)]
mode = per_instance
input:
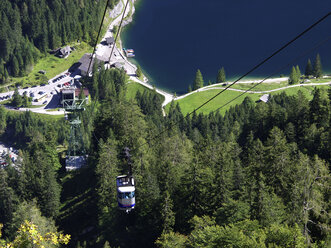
[(231, 98)]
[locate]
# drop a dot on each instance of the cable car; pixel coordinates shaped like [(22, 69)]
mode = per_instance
[(125, 192)]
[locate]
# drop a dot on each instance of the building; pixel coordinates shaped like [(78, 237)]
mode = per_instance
[(264, 98), (70, 95), (117, 65), (64, 52), (84, 63), (85, 92), (110, 41)]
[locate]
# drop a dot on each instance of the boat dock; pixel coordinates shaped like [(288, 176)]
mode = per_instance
[(129, 52)]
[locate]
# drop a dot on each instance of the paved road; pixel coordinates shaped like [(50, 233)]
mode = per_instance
[(256, 92), (49, 91), (103, 50)]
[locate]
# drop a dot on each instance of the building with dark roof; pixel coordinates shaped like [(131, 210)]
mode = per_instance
[(64, 52), (84, 63), (110, 40)]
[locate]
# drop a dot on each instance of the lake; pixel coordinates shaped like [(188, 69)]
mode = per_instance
[(174, 38)]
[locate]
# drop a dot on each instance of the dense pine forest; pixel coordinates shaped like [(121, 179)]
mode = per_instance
[(256, 177), (31, 28)]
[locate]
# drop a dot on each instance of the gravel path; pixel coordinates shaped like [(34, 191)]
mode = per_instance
[(254, 92)]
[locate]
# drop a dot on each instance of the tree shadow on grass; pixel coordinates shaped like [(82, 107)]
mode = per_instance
[(78, 214)]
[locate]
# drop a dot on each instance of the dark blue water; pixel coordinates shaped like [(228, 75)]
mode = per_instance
[(174, 38)]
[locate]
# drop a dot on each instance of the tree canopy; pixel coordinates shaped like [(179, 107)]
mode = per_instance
[(256, 176), (198, 81)]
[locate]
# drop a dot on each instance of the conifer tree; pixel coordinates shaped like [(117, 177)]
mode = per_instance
[(168, 215), (5, 75), (17, 99), (298, 72), (309, 69), (293, 79), (15, 67), (39, 176), (198, 81), (139, 72), (5, 46), (107, 168), (2, 68), (106, 245), (221, 76), (318, 67), (189, 89), (319, 109), (7, 198)]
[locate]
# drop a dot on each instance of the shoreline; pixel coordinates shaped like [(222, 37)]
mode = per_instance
[(170, 97), (127, 20)]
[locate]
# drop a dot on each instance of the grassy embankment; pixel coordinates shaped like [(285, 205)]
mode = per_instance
[(36, 115), (52, 65), (193, 101), (133, 88)]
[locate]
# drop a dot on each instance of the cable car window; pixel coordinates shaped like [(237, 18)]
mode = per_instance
[(126, 195), (131, 195)]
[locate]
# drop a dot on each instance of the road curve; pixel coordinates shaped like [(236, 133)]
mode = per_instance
[(253, 92)]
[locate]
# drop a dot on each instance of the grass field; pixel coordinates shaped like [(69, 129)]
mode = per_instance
[(53, 66), (261, 87), (45, 117), (271, 86), (191, 102), (308, 91), (133, 88)]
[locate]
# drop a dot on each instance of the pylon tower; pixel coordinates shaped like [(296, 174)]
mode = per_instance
[(76, 154)]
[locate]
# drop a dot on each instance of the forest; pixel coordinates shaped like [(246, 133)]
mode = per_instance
[(31, 28), (258, 176)]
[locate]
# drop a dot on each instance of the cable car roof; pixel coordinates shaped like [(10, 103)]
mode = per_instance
[(126, 189)]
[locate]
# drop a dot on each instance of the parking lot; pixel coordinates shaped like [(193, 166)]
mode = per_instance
[(47, 96), (5, 152)]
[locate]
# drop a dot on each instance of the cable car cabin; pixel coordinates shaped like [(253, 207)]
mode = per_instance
[(125, 192)]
